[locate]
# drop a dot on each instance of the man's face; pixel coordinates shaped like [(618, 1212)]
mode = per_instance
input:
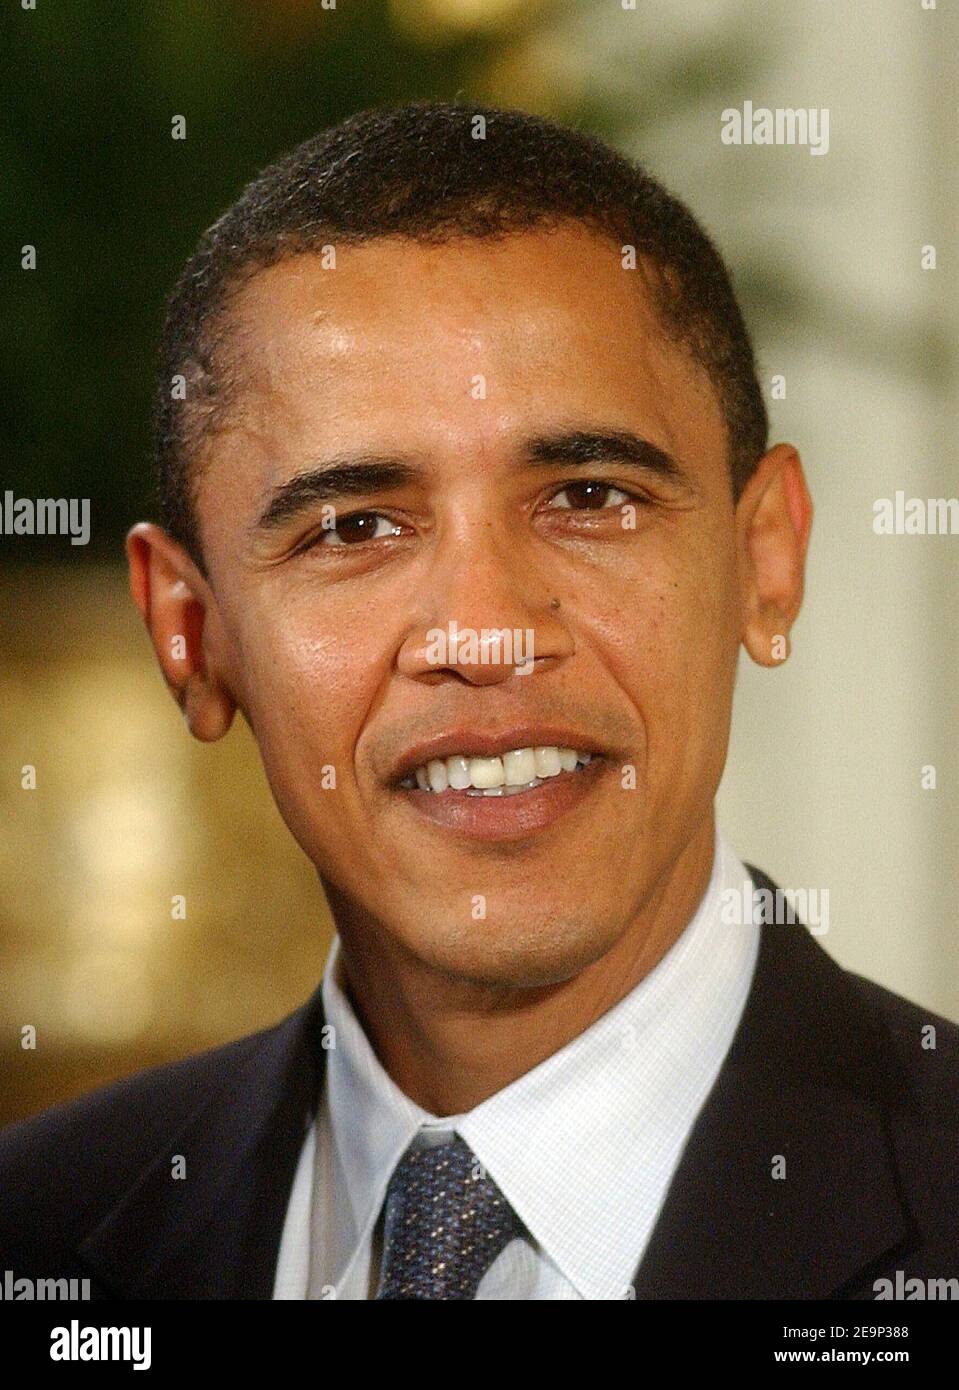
[(479, 367)]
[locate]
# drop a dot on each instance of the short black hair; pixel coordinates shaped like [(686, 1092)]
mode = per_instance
[(434, 172)]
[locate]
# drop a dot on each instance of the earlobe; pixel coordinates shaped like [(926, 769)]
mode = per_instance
[(207, 709), (773, 522), (174, 602), (767, 648)]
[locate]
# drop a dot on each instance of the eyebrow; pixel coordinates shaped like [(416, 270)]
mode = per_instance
[(354, 475), (359, 475), (579, 447)]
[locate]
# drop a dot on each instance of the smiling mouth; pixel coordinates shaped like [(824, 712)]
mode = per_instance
[(512, 773), (514, 809)]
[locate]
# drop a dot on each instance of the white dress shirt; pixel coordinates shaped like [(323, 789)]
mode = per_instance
[(583, 1146)]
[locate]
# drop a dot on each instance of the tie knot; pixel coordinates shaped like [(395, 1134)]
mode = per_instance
[(445, 1222)]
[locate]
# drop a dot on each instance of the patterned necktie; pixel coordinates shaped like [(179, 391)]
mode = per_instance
[(445, 1223)]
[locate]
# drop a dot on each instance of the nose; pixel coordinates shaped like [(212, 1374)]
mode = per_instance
[(488, 614)]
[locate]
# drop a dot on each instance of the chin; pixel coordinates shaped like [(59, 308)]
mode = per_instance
[(528, 955)]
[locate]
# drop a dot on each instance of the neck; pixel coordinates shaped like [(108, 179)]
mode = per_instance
[(450, 1044)]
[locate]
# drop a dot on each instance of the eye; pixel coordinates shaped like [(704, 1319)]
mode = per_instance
[(357, 528), (589, 495)]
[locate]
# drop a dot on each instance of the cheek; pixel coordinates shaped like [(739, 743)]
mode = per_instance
[(670, 639), (308, 682)]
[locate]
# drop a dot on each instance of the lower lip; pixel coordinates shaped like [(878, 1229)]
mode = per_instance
[(506, 817)]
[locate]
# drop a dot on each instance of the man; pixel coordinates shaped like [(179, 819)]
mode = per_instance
[(467, 507)]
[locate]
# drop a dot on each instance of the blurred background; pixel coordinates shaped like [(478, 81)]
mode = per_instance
[(824, 787)]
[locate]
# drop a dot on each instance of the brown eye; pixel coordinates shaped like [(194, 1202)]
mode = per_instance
[(589, 496), (359, 527)]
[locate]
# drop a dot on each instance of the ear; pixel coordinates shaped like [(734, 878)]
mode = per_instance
[(773, 521), (179, 610)]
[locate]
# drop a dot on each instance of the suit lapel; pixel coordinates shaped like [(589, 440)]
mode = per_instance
[(215, 1233), (809, 1077)]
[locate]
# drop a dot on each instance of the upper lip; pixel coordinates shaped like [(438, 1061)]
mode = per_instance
[(487, 744)]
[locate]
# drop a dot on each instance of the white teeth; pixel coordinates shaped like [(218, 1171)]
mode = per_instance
[(514, 771), (458, 772), (505, 791), (436, 771), (547, 762), (487, 772), (520, 766)]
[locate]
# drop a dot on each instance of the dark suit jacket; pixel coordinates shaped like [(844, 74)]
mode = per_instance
[(826, 1069)]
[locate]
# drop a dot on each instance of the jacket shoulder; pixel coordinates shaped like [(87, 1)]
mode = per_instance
[(926, 1046), (923, 1126), (920, 1048), (63, 1169)]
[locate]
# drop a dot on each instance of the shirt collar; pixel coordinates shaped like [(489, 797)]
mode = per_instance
[(372, 1122), (585, 1144)]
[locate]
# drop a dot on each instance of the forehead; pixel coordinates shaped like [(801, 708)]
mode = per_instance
[(455, 348)]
